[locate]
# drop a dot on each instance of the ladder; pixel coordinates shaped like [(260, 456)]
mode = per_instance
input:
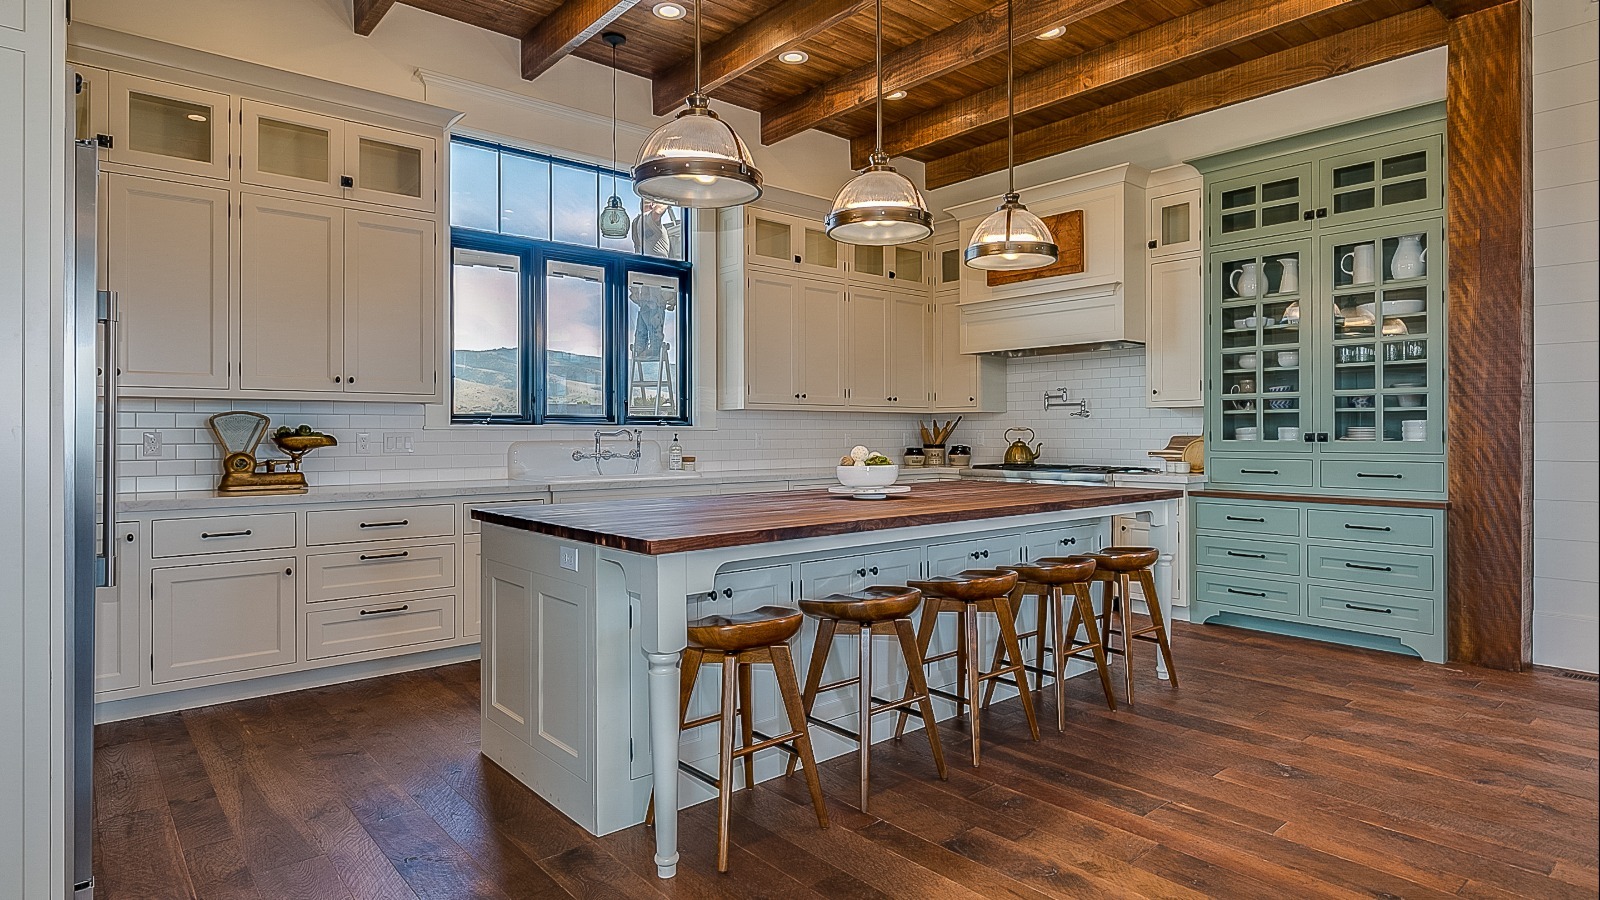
[(657, 393)]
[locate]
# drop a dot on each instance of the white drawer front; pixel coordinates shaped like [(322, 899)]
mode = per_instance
[(473, 526), (348, 526), (379, 570), (221, 534), (379, 626)]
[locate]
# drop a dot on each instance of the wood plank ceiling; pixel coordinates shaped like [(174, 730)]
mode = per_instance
[(1117, 66)]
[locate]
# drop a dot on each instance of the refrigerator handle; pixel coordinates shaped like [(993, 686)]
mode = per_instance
[(110, 320)]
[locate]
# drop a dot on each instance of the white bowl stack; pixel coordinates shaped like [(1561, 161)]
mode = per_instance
[(1245, 433)]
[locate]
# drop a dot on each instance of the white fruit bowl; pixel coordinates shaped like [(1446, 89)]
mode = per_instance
[(867, 476)]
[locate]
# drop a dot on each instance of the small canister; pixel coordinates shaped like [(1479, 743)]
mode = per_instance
[(915, 458), (960, 455), (935, 454)]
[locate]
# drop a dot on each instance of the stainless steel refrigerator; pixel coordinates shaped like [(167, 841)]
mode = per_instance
[(91, 480)]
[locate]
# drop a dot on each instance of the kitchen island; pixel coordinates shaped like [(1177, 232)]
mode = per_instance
[(585, 609)]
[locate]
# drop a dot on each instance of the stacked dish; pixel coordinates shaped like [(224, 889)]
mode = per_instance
[(1361, 433), (1245, 433)]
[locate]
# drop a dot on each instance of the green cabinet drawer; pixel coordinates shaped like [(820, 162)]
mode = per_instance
[(1410, 477), (1408, 529), (1249, 518), (1383, 568), (1259, 473), (1358, 607), (1226, 551), (1246, 592)]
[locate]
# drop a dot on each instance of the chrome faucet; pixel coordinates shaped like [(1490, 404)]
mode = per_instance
[(603, 454), (1059, 397)]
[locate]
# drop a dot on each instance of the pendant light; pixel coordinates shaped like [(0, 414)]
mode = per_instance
[(880, 206), (1011, 237), (696, 160), (614, 218)]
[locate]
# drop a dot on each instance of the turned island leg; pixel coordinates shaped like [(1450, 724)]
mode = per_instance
[(665, 628)]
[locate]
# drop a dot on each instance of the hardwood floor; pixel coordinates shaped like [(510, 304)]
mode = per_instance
[(1280, 769)]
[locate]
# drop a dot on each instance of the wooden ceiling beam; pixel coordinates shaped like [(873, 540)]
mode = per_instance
[(368, 13), (1171, 43), (561, 32), (1380, 42), (750, 45), (1455, 9), (956, 47)]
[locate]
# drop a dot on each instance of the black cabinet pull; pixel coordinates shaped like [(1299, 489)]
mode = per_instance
[(1322, 213), (1350, 565), (128, 538), (395, 524), (873, 570), (1379, 475), (1310, 214), (346, 181), (1067, 542), (1247, 593), (1247, 555), (1387, 612), (1258, 471), (980, 554), (288, 571), (861, 573), (402, 554), (337, 379), (350, 379), (208, 535), (1367, 527), (797, 259), (387, 609), (727, 592), (1151, 245), (1243, 519)]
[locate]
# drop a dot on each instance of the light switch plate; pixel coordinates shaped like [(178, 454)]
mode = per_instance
[(397, 442), (569, 558)]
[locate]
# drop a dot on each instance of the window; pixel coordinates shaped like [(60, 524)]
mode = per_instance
[(551, 320)]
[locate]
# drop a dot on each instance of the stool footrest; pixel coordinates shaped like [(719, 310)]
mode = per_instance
[(840, 730), (765, 742)]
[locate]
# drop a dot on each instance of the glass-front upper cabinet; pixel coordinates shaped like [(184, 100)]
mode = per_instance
[(950, 262), (91, 103), (1261, 205), (168, 126), (1260, 342), (1383, 387), (781, 241), (389, 167), (899, 265), (1174, 222), (1399, 179), (290, 149)]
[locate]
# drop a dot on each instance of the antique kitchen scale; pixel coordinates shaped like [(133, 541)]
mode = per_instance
[(239, 433)]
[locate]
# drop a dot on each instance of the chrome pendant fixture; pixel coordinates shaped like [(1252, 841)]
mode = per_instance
[(1011, 238), (614, 220), (880, 206), (696, 160)]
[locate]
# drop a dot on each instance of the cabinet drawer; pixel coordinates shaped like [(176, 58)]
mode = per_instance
[(1386, 476), (1070, 541), (221, 534), (1268, 557), (1408, 529), (1260, 472), (1366, 608), (1242, 591), (469, 525), (379, 570), (345, 526), (1409, 571), (1279, 521), (379, 626)]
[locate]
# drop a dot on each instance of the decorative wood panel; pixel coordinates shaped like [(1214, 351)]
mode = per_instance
[(1068, 230)]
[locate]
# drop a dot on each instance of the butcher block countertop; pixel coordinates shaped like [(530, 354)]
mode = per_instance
[(682, 524)]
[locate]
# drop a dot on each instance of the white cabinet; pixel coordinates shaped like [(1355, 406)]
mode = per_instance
[(222, 617), (905, 266), (1074, 540), (1174, 221), (910, 350), (301, 151), (779, 242), (962, 381), (91, 104), (116, 618), (472, 586), (381, 624), (167, 258), (171, 127), (869, 339), (1174, 358), (982, 553), (390, 312), (390, 167), (792, 352)]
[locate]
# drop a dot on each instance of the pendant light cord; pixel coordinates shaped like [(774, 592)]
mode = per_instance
[(878, 143), (697, 46), (613, 117), (1011, 105)]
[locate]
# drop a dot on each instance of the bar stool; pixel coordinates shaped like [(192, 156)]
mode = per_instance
[(737, 642), (1116, 568), (968, 594), (1049, 579), (877, 610)]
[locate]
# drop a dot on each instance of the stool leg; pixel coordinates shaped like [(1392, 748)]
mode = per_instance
[(1008, 633), (1057, 628), (688, 671), (918, 682), (1039, 643), (966, 660), (925, 626), (1107, 604), (730, 688), (1017, 596), (1159, 620), (864, 711), (747, 723), (1127, 631), (819, 659), (789, 688), (1084, 608), (968, 663)]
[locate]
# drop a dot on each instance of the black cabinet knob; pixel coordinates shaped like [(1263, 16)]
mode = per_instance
[(346, 181), (1151, 245), (861, 573), (873, 570)]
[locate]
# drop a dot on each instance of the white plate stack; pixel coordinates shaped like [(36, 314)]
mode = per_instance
[(1414, 430), (1245, 433), (1361, 433)]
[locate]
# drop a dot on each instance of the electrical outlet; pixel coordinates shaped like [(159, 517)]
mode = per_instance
[(397, 442), (152, 443), (363, 442), (569, 558)]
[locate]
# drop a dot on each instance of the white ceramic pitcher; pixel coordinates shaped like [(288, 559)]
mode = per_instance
[(1410, 258), (1243, 280), (1289, 281)]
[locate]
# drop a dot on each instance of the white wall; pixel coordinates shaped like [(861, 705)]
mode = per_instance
[(1566, 308)]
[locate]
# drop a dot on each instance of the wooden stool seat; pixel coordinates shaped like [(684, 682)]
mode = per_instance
[(745, 631), (1123, 559), (878, 603), (967, 595), (1055, 570), (878, 610), (1118, 568)]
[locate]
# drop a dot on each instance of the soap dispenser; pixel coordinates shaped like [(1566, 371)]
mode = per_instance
[(675, 455)]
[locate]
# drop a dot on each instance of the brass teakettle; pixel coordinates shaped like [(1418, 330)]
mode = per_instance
[(1019, 453)]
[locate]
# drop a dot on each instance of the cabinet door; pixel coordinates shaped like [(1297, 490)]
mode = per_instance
[(949, 263), (1258, 206), (291, 288), (290, 149), (815, 252), (391, 308), (868, 339), (1259, 350), (116, 618), (1072, 540), (770, 240), (1174, 224), (91, 104), (910, 350), (956, 375), (472, 586), (390, 167), (982, 553), (910, 264), (167, 260), (1174, 358), (168, 126), (1403, 178), (820, 323), (221, 618), (771, 339)]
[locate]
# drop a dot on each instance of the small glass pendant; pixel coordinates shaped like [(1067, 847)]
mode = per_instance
[(614, 219)]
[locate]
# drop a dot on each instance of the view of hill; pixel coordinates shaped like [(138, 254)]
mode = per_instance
[(486, 382)]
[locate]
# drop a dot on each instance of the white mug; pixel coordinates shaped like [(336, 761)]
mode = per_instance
[(1288, 433), (1358, 264)]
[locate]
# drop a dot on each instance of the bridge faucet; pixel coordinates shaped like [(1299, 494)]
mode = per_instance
[(601, 454)]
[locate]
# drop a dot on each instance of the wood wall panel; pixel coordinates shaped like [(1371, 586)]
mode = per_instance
[(1489, 99)]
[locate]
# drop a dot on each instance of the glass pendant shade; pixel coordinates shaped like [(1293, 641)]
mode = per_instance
[(1011, 238), (879, 207), (614, 219), (696, 160)]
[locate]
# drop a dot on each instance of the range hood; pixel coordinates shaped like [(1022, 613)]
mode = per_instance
[(1059, 349)]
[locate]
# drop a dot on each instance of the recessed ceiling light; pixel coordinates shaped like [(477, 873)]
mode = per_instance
[(669, 10), (1053, 33), (895, 95), (196, 117), (793, 57)]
